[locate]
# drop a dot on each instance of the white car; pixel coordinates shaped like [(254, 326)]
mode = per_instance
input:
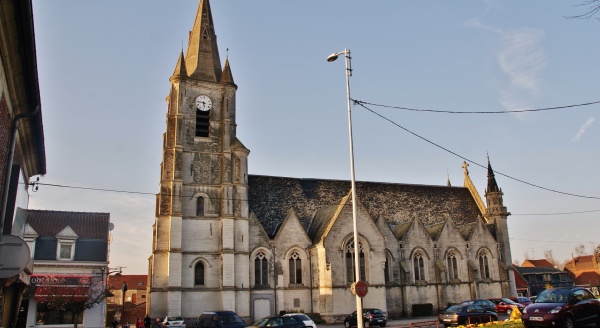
[(173, 322), (307, 321)]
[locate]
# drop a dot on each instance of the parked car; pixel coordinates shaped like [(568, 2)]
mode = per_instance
[(463, 314), (371, 317), (562, 307), (173, 322), (486, 304), (307, 321), (505, 305), (220, 319), (522, 300), (279, 322)]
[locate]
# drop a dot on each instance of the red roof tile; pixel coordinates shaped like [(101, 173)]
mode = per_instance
[(543, 263), (134, 281)]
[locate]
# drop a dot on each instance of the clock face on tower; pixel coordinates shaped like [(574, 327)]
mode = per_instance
[(203, 103)]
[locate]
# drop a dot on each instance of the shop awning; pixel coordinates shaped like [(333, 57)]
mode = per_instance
[(64, 288)]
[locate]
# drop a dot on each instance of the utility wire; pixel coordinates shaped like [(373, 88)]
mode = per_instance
[(468, 160), (35, 184), (360, 102), (556, 241)]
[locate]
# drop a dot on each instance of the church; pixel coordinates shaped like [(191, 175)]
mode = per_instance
[(224, 239)]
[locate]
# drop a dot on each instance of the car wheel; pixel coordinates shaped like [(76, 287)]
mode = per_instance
[(347, 324), (568, 322), (367, 324), (508, 311), (383, 325)]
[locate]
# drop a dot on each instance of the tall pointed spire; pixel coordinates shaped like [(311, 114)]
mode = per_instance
[(202, 58), (492, 186)]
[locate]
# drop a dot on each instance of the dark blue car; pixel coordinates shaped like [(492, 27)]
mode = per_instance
[(462, 314)]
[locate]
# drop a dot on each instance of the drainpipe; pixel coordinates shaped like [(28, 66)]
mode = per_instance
[(9, 162)]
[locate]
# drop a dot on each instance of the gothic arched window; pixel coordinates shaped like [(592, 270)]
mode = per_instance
[(261, 270), (295, 267), (388, 273), (452, 262), (350, 268), (419, 266), (199, 274), (484, 266), (200, 206)]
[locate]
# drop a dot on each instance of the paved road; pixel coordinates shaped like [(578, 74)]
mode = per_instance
[(421, 322)]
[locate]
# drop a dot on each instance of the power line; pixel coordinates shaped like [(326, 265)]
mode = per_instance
[(559, 242), (34, 184), (360, 102), (470, 161), (559, 213)]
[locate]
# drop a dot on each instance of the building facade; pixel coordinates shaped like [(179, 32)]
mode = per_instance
[(258, 245), (70, 252), (22, 150), (535, 276)]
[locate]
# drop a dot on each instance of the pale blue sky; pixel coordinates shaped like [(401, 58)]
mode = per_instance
[(104, 69)]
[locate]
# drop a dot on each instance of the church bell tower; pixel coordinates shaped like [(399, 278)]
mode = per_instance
[(496, 214), (200, 250)]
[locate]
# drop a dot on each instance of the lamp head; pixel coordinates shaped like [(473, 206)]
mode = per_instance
[(333, 57)]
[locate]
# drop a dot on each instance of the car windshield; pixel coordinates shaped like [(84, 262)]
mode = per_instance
[(230, 318), (261, 322), (508, 301), (553, 296), (377, 311), (174, 318), (455, 308), (302, 316)]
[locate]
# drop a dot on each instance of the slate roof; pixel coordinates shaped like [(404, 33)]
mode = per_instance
[(85, 224), (92, 231), (532, 270), (270, 198)]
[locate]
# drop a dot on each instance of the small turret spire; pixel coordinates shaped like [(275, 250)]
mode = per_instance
[(227, 77), (202, 58), (492, 186), (180, 69)]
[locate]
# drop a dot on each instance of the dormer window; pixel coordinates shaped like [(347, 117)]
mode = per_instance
[(65, 250)]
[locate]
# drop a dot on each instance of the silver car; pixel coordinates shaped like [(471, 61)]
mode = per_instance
[(173, 322), (307, 321)]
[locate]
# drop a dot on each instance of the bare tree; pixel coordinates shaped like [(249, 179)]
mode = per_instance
[(549, 256), (73, 299), (593, 9), (580, 250)]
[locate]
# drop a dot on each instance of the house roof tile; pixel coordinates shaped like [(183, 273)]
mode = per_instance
[(85, 224)]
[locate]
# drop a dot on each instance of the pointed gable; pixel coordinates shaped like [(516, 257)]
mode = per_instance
[(67, 233), (271, 197), (202, 58), (291, 232)]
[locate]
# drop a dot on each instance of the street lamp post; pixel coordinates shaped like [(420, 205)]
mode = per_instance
[(330, 58)]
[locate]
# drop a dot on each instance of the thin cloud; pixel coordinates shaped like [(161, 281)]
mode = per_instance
[(522, 59), (584, 128)]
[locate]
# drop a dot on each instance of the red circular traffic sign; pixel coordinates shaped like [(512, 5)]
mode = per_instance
[(360, 288)]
